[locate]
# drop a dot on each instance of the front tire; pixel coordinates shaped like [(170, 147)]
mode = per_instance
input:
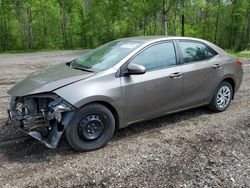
[(222, 97), (90, 128)]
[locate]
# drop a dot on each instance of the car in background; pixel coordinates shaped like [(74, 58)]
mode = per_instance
[(120, 83)]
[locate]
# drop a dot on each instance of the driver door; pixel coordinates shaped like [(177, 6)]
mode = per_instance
[(157, 91)]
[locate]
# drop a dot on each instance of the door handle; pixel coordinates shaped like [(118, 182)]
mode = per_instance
[(217, 66), (176, 75)]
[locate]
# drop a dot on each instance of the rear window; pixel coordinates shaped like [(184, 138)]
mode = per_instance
[(195, 51)]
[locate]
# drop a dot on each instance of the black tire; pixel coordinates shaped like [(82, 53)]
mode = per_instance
[(214, 106), (76, 134)]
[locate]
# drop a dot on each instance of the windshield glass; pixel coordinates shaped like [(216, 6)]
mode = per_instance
[(105, 56)]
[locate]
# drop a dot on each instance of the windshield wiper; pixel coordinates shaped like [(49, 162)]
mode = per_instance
[(83, 69)]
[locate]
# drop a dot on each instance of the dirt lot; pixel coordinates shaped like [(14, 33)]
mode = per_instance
[(195, 148)]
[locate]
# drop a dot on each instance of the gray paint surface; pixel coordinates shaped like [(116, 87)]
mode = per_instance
[(47, 80)]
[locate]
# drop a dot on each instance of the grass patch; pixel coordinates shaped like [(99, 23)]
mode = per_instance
[(243, 54), (39, 50)]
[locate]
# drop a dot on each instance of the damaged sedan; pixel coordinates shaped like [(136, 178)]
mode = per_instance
[(121, 83)]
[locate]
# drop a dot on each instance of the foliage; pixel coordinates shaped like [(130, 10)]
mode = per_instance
[(56, 24), (243, 54)]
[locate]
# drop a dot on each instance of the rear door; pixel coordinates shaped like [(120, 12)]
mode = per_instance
[(201, 70), (159, 89)]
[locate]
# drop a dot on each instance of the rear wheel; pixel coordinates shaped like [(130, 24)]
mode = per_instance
[(91, 128), (222, 97)]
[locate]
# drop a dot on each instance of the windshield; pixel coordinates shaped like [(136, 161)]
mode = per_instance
[(105, 56)]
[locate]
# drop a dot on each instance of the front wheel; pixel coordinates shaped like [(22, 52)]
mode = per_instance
[(222, 97), (90, 128)]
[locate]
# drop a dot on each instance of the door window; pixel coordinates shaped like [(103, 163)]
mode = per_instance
[(157, 56), (195, 51)]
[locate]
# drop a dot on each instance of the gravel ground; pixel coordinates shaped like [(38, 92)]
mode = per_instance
[(195, 148)]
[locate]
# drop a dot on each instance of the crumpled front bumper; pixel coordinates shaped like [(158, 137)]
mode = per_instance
[(52, 138)]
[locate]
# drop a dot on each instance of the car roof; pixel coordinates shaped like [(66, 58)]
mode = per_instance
[(151, 39)]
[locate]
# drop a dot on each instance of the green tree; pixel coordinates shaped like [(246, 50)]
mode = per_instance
[(41, 24)]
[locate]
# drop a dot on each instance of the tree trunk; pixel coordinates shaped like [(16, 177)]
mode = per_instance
[(30, 32), (182, 25), (155, 24), (217, 22), (175, 18), (64, 28), (5, 35), (232, 27), (247, 30), (107, 20), (20, 23), (145, 25), (165, 21), (87, 4)]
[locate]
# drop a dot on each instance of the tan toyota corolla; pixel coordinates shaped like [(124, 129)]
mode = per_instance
[(120, 83)]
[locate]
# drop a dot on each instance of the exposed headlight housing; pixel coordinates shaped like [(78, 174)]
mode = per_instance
[(59, 106)]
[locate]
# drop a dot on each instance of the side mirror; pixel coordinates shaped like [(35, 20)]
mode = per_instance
[(134, 69)]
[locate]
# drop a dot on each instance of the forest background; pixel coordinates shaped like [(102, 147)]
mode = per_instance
[(27, 25)]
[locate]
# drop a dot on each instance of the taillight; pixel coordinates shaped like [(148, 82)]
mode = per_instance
[(239, 62)]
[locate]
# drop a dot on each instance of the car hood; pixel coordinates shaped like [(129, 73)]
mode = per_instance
[(48, 80)]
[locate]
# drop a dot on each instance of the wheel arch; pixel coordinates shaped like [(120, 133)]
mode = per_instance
[(232, 83), (227, 78)]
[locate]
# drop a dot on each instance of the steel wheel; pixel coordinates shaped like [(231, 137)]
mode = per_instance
[(90, 128)]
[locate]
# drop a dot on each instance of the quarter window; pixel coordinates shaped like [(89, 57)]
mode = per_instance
[(157, 56), (195, 51)]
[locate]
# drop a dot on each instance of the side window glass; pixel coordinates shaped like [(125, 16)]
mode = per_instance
[(194, 51), (157, 56)]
